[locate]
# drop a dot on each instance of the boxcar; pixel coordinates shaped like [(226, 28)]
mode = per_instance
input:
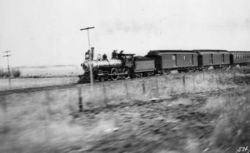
[(215, 58), (174, 59), (240, 57)]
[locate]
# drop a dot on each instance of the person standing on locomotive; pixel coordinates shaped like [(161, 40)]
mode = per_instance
[(104, 57), (87, 56), (114, 54), (99, 57), (120, 55)]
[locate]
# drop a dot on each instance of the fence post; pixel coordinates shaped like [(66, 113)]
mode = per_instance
[(157, 87), (193, 79), (184, 82), (212, 76), (4, 106), (48, 100), (203, 75), (143, 87), (47, 112), (80, 105), (126, 87), (105, 99), (234, 76), (215, 79)]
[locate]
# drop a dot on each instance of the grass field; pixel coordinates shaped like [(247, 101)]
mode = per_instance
[(40, 76), (190, 113), (50, 71), (19, 83)]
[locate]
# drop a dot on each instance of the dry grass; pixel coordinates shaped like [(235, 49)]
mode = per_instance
[(19, 83), (233, 127), (42, 121)]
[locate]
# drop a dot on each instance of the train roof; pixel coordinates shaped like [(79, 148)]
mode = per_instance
[(162, 52), (210, 50), (243, 52)]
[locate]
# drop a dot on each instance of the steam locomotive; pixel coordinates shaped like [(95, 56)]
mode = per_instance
[(125, 66)]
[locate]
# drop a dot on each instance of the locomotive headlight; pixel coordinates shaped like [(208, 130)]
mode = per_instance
[(85, 66)]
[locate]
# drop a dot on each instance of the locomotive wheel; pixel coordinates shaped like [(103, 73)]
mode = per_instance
[(126, 73), (114, 75)]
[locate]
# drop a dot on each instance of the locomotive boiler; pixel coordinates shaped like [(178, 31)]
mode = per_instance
[(103, 64)]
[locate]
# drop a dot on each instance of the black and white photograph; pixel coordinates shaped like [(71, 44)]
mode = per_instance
[(124, 76)]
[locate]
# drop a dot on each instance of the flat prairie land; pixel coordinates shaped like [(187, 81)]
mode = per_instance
[(40, 76), (179, 113), (20, 83)]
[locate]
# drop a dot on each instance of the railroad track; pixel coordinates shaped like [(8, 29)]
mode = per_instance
[(51, 87), (64, 86)]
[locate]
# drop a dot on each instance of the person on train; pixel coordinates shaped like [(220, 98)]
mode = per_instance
[(99, 57), (104, 57), (114, 54)]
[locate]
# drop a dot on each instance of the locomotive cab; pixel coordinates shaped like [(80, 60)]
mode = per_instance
[(127, 60), (126, 68)]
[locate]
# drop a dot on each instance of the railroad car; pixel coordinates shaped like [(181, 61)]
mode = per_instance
[(239, 58), (166, 60), (215, 58)]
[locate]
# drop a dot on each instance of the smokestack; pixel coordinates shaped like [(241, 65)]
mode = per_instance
[(92, 53)]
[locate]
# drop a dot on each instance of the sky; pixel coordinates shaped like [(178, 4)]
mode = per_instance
[(47, 32)]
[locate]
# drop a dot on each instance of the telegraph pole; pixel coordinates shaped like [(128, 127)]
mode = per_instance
[(90, 65), (7, 55)]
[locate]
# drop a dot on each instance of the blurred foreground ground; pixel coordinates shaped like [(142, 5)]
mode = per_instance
[(186, 123), (182, 113)]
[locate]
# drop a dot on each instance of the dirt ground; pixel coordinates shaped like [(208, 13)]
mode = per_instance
[(175, 125)]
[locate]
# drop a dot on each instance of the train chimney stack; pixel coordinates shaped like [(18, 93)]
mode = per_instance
[(92, 53)]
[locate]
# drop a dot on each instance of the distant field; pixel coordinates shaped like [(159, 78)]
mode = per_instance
[(35, 82), (48, 71), (40, 76)]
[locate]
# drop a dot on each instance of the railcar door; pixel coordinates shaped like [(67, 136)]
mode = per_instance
[(169, 61), (211, 59)]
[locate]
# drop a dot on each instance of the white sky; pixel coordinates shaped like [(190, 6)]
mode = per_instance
[(46, 32)]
